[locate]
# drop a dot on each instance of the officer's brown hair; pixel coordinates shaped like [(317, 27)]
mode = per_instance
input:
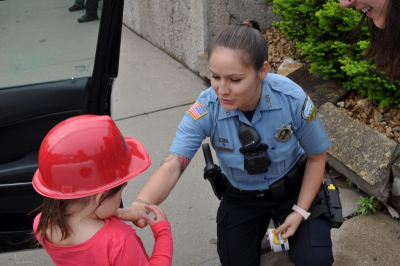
[(246, 39)]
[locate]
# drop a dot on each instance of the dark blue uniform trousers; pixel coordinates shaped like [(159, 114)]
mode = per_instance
[(242, 221)]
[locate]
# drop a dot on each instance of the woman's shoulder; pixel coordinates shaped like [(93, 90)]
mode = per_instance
[(283, 85), (207, 95)]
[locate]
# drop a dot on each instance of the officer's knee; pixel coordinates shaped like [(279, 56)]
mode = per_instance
[(322, 258)]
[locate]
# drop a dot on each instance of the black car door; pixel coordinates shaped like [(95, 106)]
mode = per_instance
[(51, 68)]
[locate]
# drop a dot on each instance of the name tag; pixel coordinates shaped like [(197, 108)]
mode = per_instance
[(224, 149)]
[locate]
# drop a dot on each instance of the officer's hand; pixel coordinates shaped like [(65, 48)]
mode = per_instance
[(159, 215), (133, 213), (289, 227)]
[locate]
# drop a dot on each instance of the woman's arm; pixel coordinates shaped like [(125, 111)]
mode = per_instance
[(156, 189), (313, 176)]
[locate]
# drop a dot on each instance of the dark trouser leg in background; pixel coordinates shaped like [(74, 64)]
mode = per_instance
[(91, 7), (79, 5), (91, 11)]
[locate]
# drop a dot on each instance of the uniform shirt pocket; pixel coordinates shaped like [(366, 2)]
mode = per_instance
[(282, 156), (232, 165)]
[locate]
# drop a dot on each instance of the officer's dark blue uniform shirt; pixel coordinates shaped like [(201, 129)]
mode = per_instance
[(282, 104)]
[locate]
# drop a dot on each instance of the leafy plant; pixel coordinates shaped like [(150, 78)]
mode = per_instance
[(321, 29), (348, 181), (367, 205)]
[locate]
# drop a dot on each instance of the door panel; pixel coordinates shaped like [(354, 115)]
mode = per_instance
[(51, 68), (31, 111)]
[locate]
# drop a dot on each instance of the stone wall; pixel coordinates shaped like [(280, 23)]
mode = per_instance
[(362, 154), (184, 28)]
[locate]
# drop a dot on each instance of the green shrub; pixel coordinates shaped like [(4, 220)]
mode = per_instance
[(322, 30), (367, 205)]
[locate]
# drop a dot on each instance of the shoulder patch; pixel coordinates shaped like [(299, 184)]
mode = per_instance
[(197, 110), (309, 111)]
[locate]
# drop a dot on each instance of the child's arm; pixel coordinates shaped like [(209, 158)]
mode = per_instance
[(163, 246), (131, 251)]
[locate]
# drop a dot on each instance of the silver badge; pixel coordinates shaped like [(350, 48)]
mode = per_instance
[(284, 133)]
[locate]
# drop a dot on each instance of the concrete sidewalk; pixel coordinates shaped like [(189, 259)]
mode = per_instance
[(150, 96)]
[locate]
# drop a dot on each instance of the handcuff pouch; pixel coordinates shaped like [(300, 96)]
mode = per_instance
[(290, 183)]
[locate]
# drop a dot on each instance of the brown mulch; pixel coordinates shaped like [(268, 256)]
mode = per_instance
[(279, 48), (384, 120)]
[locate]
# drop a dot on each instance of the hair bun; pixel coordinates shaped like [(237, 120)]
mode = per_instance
[(251, 23)]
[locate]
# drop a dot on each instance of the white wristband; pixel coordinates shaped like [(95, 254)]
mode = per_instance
[(301, 211)]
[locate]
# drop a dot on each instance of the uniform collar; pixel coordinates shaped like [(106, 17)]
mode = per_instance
[(268, 102)]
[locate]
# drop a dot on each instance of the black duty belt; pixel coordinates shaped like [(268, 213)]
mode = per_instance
[(256, 193), (280, 189)]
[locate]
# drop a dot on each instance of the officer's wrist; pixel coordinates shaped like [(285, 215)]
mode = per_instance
[(303, 212), (141, 204), (142, 201), (298, 215)]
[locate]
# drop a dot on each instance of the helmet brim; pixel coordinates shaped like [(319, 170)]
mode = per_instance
[(140, 161)]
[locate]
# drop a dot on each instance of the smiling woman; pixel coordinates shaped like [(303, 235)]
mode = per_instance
[(384, 25), (374, 9)]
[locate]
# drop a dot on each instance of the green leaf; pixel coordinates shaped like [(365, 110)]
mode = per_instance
[(321, 29)]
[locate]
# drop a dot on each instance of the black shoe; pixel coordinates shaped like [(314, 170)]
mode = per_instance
[(87, 18), (76, 8)]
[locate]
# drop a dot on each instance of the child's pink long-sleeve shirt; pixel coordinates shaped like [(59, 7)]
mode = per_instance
[(116, 243)]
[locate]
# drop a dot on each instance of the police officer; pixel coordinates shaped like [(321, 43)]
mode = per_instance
[(241, 97)]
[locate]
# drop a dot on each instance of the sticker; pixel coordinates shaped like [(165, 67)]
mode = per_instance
[(275, 243), (197, 110), (284, 133), (309, 111)]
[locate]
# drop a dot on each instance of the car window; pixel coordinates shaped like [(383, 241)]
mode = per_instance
[(42, 41)]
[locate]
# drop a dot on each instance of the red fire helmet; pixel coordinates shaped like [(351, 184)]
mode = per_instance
[(85, 155)]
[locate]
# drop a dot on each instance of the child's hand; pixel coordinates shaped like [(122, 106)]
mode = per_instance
[(159, 215), (133, 213)]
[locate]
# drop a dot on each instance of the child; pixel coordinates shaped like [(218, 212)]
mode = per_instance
[(84, 163)]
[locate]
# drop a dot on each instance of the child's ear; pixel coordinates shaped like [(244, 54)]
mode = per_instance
[(97, 197)]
